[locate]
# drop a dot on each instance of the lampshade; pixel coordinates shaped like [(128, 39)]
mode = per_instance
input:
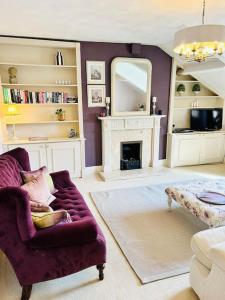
[(12, 110), (200, 42)]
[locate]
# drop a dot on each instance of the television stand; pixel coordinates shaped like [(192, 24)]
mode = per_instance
[(195, 148), (182, 130)]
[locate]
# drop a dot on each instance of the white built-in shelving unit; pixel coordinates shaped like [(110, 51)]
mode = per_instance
[(192, 148), (37, 72), (181, 105)]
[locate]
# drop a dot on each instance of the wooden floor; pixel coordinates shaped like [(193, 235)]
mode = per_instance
[(120, 281)]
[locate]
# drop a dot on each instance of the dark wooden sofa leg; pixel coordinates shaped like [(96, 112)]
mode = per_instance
[(26, 292), (100, 269)]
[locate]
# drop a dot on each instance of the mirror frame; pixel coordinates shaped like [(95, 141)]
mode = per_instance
[(113, 72)]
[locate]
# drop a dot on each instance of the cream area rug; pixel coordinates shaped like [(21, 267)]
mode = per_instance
[(156, 242)]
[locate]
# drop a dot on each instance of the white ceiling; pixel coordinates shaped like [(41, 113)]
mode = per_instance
[(141, 21), (151, 22)]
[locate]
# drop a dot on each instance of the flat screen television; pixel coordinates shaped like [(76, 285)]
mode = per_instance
[(205, 119)]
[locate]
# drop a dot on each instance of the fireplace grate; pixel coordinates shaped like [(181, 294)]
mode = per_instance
[(130, 164)]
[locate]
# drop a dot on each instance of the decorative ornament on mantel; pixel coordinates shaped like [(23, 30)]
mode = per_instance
[(154, 100), (107, 102), (199, 43)]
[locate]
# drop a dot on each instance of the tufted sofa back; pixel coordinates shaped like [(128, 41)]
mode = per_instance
[(11, 163), (9, 171)]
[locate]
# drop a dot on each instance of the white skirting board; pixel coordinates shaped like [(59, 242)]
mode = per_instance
[(163, 163), (89, 171)]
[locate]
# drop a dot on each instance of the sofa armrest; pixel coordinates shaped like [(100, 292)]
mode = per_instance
[(203, 241), (62, 179), (65, 234), (15, 204), (218, 255)]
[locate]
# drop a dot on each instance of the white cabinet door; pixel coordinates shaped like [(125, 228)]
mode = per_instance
[(37, 154), (212, 148), (64, 156), (184, 150), (195, 149), (188, 151)]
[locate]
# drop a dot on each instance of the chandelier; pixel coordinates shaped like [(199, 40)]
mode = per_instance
[(197, 43)]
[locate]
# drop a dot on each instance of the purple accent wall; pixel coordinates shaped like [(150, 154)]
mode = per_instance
[(161, 70)]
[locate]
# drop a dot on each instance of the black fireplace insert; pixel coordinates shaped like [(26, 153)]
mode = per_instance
[(130, 155)]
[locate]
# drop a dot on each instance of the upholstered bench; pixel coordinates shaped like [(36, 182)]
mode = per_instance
[(185, 194)]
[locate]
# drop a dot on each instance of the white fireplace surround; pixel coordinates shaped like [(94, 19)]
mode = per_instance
[(115, 130)]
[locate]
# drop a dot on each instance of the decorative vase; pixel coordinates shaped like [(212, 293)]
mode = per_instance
[(196, 93), (61, 117), (141, 107), (59, 58), (180, 93)]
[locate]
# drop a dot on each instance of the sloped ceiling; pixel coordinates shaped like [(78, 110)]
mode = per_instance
[(152, 22), (214, 79)]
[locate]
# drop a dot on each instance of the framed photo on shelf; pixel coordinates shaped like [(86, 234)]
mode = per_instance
[(95, 72), (96, 95)]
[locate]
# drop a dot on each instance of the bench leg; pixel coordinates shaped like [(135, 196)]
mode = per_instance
[(169, 200)]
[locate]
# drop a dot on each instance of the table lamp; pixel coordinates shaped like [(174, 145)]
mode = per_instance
[(13, 111)]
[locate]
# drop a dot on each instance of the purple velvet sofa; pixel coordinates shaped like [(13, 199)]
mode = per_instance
[(57, 251)]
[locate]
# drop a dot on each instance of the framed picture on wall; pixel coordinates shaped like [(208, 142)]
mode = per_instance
[(95, 72), (96, 95)]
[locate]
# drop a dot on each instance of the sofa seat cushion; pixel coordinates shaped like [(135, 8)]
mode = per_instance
[(82, 229), (203, 241), (70, 199)]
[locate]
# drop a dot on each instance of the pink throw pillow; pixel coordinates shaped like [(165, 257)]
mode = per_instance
[(38, 191), (30, 175)]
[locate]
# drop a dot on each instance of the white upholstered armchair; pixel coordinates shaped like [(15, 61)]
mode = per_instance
[(207, 275)]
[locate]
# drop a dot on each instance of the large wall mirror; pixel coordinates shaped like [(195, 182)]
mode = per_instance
[(130, 86)]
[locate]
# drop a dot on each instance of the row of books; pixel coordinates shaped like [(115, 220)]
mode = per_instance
[(24, 96)]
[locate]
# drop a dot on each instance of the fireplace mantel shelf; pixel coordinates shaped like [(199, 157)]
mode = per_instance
[(131, 117)]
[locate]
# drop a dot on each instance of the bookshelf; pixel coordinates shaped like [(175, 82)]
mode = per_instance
[(43, 122), (42, 87), (38, 84), (36, 65), (40, 104)]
